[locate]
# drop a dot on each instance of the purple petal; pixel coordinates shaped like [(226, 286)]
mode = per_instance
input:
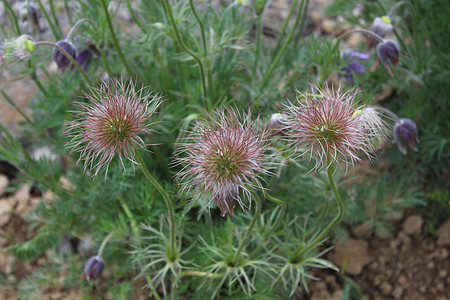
[(357, 67), (351, 53)]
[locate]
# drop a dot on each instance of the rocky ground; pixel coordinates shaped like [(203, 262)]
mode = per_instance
[(410, 265)]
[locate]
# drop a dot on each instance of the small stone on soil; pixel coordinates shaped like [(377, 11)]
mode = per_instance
[(413, 225), (444, 234)]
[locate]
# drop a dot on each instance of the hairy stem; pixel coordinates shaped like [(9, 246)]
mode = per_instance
[(206, 102), (134, 17), (102, 246), (250, 228), (55, 19), (55, 32), (12, 15), (284, 27), (275, 224), (13, 104), (258, 43), (166, 198), (75, 26), (115, 41), (336, 219), (72, 60), (277, 59)]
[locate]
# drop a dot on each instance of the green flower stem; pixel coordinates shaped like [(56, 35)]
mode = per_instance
[(105, 61), (55, 32), (152, 288), (275, 62), (134, 17), (388, 112), (206, 102), (258, 43), (102, 246), (302, 24), (201, 274), (12, 15), (364, 31), (75, 26), (250, 227), (72, 60), (323, 212), (202, 30), (55, 19), (275, 224), (416, 40), (134, 225), (165, 197), (283, 29), (367, 32), (336, 219), (13, 104), (115, 41), (209, 80), (67, 10)]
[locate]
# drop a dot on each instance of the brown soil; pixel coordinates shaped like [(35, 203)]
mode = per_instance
[(411, 265)]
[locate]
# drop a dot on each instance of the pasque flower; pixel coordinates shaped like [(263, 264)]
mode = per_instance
[(110, 124), (406, 132), (328, 126), (93, 268), (387, 51), (223, 158), (352, 65), (61, 60)]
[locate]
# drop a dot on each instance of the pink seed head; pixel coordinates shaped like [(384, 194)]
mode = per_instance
[(110, 124), (326, 125), (223, 158)]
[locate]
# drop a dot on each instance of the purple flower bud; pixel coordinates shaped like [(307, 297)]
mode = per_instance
[(357, 67), (381, 26), (84, 59), (388, 50), (61, 60), (93, 268), (406, 132)]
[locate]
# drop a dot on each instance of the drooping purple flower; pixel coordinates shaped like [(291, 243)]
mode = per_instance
[(326, 125), (351, 58), (110, 124), (84, 59), (406, 134), (61, 60), (381, 26), (223, 158), (93, 268), (387, 51)]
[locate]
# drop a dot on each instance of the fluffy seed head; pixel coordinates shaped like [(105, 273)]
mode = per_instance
[(326, 125), (110, 124), (16, 50), (223, 158)]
